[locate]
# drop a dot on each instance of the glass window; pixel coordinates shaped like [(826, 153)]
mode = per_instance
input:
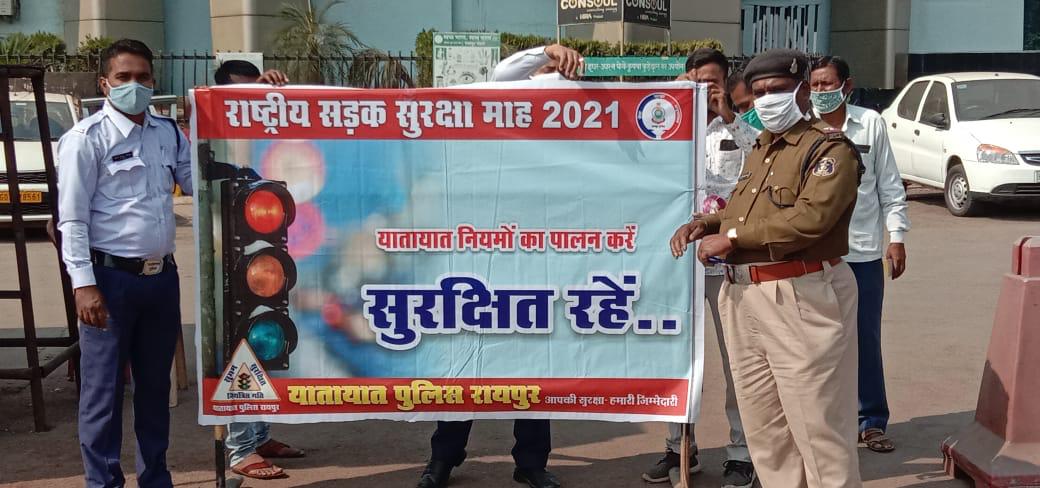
[(911, 100), (994, 99), (936, 104), (27, 127)]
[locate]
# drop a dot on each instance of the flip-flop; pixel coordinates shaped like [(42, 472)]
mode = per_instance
[(877, 441), (275, 449), (251, 471)]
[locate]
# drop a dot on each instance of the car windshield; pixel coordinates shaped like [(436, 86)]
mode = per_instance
[(27, 127), (995, 99)]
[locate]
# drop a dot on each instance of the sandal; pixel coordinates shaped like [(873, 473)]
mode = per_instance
[(254, 470), (876, 440), (275, 449)]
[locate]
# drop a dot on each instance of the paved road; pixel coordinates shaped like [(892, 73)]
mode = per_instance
[(937, 324)]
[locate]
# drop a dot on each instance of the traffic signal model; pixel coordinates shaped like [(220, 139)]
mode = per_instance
[(258, 271)]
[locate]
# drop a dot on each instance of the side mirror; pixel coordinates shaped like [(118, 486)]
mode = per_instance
[(938, 120)]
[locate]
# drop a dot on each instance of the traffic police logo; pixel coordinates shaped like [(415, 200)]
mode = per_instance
[(659, 116), (244, 379), (824, 167)]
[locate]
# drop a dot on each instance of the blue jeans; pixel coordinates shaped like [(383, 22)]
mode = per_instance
[(873, 403), (244, 437), (144, 316)]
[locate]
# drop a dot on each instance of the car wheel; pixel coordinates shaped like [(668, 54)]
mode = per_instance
[(959, 200)]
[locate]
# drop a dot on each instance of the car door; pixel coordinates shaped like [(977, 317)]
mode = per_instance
[(903, 125), (933, 124)]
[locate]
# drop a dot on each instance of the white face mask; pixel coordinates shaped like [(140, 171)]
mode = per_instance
[(779, 111)]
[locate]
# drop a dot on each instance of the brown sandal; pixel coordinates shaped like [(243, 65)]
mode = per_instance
[(253, 471), (275, 449), (876, 440)]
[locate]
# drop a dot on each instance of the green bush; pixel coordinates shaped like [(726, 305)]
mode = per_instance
[(512, 43), (36, 44), (94, 45)]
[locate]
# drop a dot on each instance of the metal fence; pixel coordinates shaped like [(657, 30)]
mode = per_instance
[(176, 73)]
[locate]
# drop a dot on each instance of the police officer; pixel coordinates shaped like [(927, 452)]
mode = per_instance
[(116, 173), (789, 303)]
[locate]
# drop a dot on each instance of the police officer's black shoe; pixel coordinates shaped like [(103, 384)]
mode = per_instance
[(536, 478), (435, 475)]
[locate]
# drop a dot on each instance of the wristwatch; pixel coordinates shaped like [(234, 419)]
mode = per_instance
[(731, 234)]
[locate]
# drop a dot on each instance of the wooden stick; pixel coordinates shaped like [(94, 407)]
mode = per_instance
[(684, 454)]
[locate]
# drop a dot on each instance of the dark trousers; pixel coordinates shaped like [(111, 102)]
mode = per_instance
[(873, 403), (531, 450), (144, 317)]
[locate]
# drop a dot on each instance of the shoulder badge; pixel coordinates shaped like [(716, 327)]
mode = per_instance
[(824, 167), (833, 134)]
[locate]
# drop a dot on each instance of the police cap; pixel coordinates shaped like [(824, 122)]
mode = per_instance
[(774, 63)]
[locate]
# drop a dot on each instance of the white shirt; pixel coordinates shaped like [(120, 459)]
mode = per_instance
[(521, 65), (726, 146), (115, 188), (881, 202)]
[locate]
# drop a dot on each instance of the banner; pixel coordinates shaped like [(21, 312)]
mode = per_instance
[(655, 13), (572, 12), (494, 251), (656, 66), (462, 58)]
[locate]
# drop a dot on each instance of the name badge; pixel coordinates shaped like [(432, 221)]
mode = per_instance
[(122, 157), (863, 148)]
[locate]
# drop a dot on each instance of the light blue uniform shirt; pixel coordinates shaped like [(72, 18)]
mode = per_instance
[(115, 188)]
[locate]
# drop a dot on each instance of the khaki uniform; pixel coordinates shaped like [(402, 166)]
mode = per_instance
[(792, 342)]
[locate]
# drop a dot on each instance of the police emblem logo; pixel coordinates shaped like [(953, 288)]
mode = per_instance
[(824, 167), (794, 66), (659, 116)]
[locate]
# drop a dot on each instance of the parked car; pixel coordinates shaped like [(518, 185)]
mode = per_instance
[(32, 178), (975, 135)]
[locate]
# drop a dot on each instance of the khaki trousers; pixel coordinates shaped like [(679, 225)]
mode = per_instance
[(792, 351)]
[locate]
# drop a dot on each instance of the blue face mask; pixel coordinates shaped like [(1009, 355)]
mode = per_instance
[(130, 98)]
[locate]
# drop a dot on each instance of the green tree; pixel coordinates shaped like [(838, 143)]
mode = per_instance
[(313, 39)]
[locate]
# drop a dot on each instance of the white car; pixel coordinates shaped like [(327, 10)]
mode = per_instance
[(32, 179), (975, 135)]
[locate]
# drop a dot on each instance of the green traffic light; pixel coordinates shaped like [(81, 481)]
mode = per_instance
[(267, 340)]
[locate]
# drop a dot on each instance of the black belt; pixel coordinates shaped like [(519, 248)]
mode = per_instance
[(138, 266)]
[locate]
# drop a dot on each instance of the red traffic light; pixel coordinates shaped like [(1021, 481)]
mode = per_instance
[(264, 211)]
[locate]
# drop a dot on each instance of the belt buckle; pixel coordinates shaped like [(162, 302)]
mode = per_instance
[(152, 267), (739, 274)]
